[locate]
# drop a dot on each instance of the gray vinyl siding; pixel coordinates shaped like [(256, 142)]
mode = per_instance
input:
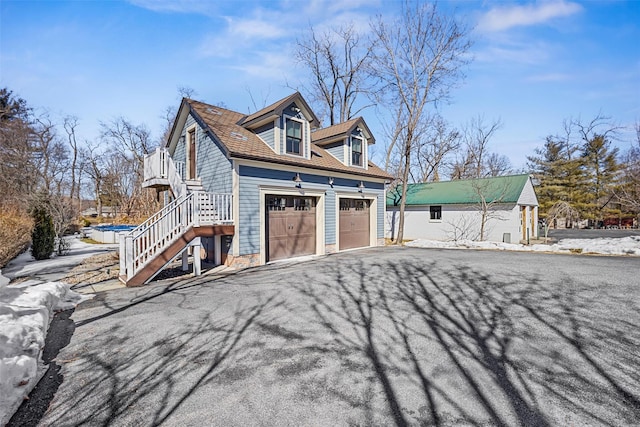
[(251, 178), (336, 150), (330, 217), (266, 132), (380, 214), (213, 167)]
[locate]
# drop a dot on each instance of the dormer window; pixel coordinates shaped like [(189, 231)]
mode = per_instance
[(356, 151), (294, 137)]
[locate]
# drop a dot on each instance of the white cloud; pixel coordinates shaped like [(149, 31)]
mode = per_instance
[(255, 28), (514, 52), (503, 18), (549, 77), (204, 7), (268, 66)]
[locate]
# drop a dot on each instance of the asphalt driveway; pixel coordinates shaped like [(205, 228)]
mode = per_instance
[(383, 336)]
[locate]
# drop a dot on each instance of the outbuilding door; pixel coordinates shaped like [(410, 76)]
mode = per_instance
[(354, 224), (291, 226)]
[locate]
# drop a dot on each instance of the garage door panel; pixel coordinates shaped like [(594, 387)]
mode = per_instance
[(291, 226), (354, 223), (278, 226)]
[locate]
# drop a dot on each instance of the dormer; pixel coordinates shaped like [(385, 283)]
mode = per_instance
[(285, 126), (348, 141)]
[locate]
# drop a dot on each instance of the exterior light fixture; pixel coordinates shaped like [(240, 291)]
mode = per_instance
[(297, 180), (331, 181), (360, 187), (295, 109)]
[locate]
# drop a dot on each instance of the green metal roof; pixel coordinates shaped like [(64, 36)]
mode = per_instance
[(504, 189)]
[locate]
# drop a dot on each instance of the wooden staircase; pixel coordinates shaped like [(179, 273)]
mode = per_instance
[(151, 246)]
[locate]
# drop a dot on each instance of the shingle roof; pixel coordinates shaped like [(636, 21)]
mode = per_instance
[(504, 189), (277, 106), (243, 143), (335, 130)]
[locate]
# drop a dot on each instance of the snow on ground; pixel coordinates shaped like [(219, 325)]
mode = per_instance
[(24, 265), (608, 246), (26, 310), (25, 314)]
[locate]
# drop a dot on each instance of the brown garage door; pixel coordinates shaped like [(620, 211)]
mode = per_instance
[(354, 223), (291, 226)]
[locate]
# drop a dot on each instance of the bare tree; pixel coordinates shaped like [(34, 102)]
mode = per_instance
[(132, 141), (93, 163), (559, 210), (338, 60), (628, 192), (418, 60), (497, 165), (70, 125), (473, 162), (50, 156), (489, 194), (432, 152)]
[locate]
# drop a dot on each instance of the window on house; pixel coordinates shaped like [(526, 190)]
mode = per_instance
[(356, 151), (435, 212), (294, 137)]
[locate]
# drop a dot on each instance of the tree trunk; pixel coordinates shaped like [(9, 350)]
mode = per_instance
[(403, 199)]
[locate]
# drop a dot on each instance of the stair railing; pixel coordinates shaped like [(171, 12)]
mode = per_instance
[(149, 239)]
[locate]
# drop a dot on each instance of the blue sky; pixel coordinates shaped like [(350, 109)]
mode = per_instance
[(534, 63)]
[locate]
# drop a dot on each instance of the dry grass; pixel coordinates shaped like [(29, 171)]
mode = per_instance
[(95, 269), (15, 234)]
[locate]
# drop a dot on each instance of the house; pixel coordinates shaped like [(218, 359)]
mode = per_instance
[(456, 210), (244, 190)]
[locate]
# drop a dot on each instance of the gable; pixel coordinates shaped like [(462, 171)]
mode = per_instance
[(528, 195)]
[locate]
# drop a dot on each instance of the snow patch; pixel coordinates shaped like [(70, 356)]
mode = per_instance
[(25, 314), (606, 246)]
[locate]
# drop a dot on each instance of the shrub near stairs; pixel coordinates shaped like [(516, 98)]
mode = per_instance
[(15, 234)]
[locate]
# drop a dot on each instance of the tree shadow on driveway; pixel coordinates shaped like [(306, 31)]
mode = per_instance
[(120, 376), (354, 339), (449, 345)]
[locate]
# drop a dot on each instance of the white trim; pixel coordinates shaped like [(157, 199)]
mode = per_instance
[(363, 143), (303, 138), (347, 150), (286, 191), (187, 150), (235, 184), (276, 136)]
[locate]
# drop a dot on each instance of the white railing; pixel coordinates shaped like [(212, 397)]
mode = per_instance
[(160, 165), (180, 169), (155, 164), (149, 239)]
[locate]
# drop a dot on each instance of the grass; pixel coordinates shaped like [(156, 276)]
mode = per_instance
[(15, 234), (91, 241)]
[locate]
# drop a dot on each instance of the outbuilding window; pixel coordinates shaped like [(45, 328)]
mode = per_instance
[(435, 212)]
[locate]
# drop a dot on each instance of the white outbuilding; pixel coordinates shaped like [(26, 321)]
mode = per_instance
[(499, 209)]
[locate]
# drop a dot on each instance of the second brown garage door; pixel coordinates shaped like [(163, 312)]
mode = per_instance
[(354, 223), (291, 226)]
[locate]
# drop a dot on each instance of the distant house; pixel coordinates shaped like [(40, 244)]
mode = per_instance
[(454, 210), (244, 190)]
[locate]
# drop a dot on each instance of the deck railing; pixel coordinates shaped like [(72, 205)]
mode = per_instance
[(160, 166), (150, 238)]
